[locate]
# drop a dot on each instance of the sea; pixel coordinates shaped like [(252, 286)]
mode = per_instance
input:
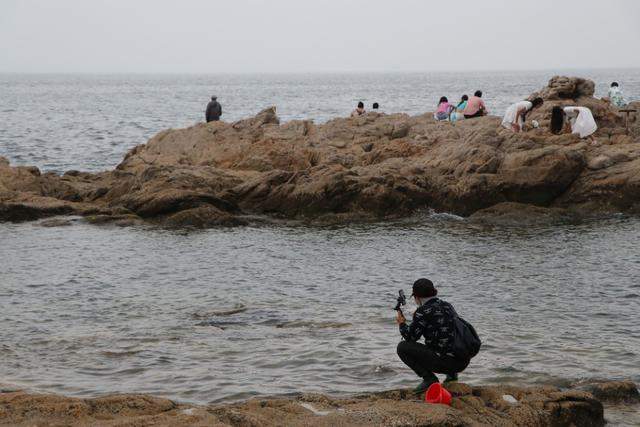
[(272, 310)]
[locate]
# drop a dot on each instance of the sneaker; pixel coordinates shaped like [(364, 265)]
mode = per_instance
[(424, 385), (451, 378)]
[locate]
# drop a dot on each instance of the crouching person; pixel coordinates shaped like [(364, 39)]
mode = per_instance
[(436, 321)]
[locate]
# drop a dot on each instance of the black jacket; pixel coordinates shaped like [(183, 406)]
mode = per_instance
[(434, 321), (214, 111)]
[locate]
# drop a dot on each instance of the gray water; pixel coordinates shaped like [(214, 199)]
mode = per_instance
[(87, 310), (87, 122)]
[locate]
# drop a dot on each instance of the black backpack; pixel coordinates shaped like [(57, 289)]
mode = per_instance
[(466, 343)]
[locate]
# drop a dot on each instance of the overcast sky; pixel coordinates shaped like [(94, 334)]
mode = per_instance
[(206, 36)]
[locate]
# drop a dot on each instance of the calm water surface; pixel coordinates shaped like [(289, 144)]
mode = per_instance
[(89, 310)]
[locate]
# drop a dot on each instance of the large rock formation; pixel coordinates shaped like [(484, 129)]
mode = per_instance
[(471, 406), (369, 167)]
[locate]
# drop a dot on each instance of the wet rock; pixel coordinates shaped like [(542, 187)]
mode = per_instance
[(206, 216), (121, 220), (36, 208), (56, 222), (471, 406), (519, 214), (615, 392)]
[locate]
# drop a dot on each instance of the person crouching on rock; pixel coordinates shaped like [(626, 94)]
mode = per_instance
[(578, 120), (433, 320), (359, 110), (444, 109), (516, 114), (214, 110)]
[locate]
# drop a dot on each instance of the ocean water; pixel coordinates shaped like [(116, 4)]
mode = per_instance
[(87, 122), (227, 314)]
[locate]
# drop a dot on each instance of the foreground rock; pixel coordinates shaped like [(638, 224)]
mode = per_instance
[(471, 406), (370, 167)]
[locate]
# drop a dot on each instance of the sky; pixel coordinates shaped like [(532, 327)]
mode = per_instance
[(256, 36)]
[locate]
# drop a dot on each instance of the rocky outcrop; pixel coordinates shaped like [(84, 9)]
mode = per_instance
[(613, 392), (369, 167), (471, 406)]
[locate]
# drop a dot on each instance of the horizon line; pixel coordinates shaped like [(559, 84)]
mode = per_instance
[(320, 72)]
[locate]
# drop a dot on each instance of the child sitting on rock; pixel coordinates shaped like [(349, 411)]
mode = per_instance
[(457, 113), (615, 95)]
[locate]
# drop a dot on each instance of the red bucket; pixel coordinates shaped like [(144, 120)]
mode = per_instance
[(437, 394)]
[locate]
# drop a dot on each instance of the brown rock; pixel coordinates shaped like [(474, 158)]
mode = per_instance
[(471, 406), (615, 392), (561, 87), (519, 214), (205, 216), (600, 162), (374, 166)]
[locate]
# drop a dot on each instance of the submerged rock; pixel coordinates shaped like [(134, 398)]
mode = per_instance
[(373, 166), (519, 214)]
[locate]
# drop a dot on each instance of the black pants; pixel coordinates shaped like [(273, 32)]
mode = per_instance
[(425, 362), (478, 113)]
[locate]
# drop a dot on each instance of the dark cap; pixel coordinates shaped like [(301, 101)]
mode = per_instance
[(423, 288)]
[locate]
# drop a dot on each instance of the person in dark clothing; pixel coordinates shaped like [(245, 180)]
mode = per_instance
[(433, 320), (214, 110)]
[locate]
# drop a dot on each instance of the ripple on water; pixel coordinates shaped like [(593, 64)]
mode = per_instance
[(97, 310)]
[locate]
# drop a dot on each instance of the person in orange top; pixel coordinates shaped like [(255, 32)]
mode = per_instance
[(475, 106)]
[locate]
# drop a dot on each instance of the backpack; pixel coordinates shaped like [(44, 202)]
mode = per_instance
[(466, 343)]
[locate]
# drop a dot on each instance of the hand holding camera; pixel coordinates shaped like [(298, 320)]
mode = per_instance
[(402, 300)]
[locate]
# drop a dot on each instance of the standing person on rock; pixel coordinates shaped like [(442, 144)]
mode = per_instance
[(516, 114), (475, 106), (435, 321), (214, 110)]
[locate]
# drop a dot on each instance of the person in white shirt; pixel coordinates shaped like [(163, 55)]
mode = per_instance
[(578, 120), (516, 114)]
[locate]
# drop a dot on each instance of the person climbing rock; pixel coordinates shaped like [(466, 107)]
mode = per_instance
[(433, 320), (214, 110)]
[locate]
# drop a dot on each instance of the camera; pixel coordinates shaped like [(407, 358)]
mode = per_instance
[(402, 300)]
